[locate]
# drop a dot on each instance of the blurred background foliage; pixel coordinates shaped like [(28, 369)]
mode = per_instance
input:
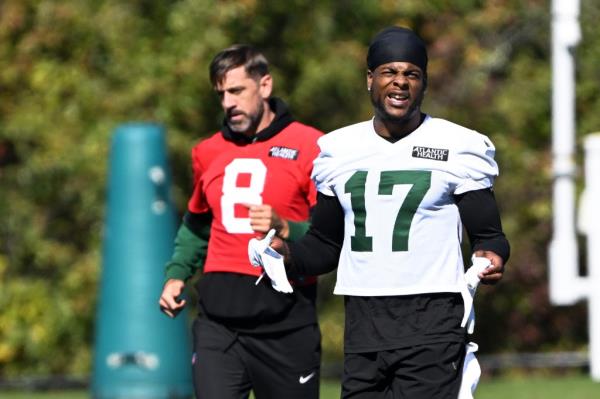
[(73, 70)]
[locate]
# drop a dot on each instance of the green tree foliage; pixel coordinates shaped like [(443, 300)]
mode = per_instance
[(72, 70)]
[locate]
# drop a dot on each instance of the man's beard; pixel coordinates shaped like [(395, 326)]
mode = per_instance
[(250, 121)]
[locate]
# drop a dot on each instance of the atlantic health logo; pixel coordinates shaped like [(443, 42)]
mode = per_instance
[(283, 152), (435, 154)]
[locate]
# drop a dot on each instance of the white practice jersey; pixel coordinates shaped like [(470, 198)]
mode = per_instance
[(402, 229)]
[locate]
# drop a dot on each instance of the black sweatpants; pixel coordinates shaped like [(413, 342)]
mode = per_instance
[(227, 365), (431, 371)]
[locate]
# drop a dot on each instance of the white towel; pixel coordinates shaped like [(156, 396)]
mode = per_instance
[(471, 369), (471, 373), (468, 291), (261, 254)]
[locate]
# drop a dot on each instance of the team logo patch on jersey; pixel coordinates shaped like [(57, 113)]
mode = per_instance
[(283, 152), (436, 154)]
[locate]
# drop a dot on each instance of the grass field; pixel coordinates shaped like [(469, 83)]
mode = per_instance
[(572, 387)]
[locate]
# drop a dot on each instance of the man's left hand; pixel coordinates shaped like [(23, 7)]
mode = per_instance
[(493, 273)]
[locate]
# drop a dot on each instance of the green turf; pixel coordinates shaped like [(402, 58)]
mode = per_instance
[(571, 387), (538, 387)]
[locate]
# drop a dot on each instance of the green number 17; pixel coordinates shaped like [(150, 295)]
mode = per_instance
[(420, 182)]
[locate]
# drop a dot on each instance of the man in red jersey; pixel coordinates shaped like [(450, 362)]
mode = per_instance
[(251, 176)]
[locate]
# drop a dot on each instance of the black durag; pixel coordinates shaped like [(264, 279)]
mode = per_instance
[(395, 44)]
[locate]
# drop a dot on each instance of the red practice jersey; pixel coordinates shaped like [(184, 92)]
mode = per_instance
[(229, 176)]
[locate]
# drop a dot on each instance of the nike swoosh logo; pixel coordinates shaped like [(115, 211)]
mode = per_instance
[(304, 379)]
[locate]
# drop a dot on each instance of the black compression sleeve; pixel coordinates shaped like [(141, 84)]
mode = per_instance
[(198, 223), (481, 218), (318, 251)]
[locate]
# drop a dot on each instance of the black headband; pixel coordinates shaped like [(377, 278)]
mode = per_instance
[(396, 44)]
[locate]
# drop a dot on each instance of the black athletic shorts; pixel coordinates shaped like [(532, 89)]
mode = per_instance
[(431, 371), (227, 365)]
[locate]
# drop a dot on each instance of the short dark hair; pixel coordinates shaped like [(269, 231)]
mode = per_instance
[(254, 62)]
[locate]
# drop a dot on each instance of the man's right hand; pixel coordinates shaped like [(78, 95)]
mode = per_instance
[(169, 304)]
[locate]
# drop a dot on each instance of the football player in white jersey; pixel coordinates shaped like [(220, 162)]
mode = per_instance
[(394, 194)]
